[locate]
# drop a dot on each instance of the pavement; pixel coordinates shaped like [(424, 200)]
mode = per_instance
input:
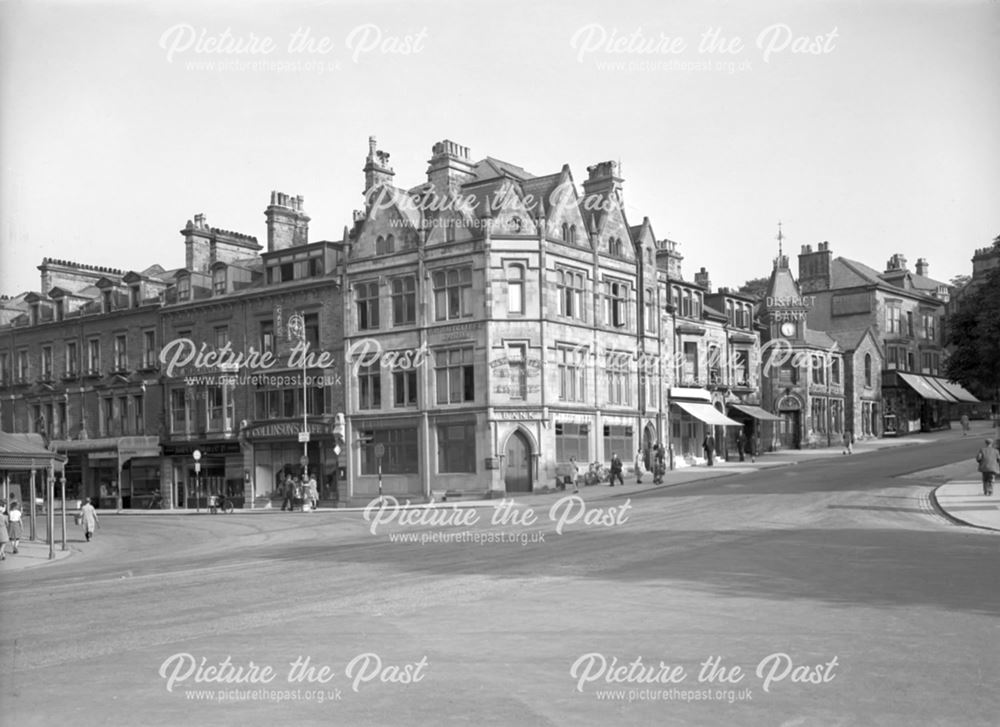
[(31, 554), (960, 498)]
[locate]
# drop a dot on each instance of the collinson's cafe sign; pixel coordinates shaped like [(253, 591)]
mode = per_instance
[(285, 430)]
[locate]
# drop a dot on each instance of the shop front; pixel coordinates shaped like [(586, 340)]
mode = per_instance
[(92, 470), (757, 426), (220, 472), (277, 451), (693, 416), (917, 403)]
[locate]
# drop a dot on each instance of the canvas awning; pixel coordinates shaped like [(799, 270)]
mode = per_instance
[(958, 391), (925, 388), (756, 412), (25, 452), (707, 413)]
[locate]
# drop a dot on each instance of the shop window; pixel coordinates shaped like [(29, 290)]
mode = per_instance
[(573, 440), (400, 456), (456, 448), (617, 440)]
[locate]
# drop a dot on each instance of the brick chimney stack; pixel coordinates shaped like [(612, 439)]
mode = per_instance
[(287, 222), (701, 278), (923, 267)]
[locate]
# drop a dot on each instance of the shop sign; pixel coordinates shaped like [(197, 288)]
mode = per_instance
[(285, 430), (519, 415)]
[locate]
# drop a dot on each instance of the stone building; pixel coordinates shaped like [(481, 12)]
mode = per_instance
[(129, 373), (904, 310), (78, 367), (803, 370), (503, 323)]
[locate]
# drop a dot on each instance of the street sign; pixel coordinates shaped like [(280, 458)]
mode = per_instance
[(197, 467), (336, 449), (303, 437), (379, 450)]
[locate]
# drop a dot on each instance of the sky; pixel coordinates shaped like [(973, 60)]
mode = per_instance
[(871, 125)]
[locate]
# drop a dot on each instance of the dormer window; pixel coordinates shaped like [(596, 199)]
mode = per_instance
[(60, 309), (34, 314), (106, 296), (135, 296), (183, 289), (219, 281)]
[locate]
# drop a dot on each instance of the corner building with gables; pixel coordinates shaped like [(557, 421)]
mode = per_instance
[(499, 324)]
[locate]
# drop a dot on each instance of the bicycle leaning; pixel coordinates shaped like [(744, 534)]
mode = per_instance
[(220, 502), (596, 473)]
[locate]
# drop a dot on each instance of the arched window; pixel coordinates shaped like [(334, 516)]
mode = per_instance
[(572, 234), (565, 232), (380, 245), (868, 369), (515, 289)]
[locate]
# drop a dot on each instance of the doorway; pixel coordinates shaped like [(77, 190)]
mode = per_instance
[(517, 476), (788, 433)]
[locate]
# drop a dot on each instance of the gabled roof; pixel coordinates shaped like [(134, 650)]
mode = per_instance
[(490, 168), (846, 273), (820, 339)]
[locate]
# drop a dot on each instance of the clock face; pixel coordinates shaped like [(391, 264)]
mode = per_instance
[(787, 328)]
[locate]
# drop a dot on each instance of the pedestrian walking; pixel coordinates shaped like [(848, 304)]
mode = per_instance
[(288, 493), (709, 446), (989, 465), (15, 530), (659, 465), (848, 442), (313, 489), (89, 519), (741, 442), (965, 425), (574, 470), (4, 537), (640, 467), (616, 469)]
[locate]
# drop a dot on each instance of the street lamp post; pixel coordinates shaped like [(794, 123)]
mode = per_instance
[(297, 329), (197, 479)]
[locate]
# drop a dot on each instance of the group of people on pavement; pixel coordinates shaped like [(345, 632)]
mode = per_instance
[(11, 529), (298, 491)]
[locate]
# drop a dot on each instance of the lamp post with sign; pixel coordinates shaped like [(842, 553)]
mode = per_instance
[(379, 453), (297, 330), (197, 478)]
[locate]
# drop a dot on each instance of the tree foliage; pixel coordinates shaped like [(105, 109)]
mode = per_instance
[(756, 288), (974, 334), (960, 281)]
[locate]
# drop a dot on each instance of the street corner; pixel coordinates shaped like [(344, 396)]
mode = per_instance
[(33, 554), (963, 502)]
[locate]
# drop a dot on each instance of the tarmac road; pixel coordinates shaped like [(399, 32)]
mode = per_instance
[(835, 571)]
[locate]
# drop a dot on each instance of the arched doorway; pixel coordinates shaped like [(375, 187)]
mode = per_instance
[(517, 475)]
